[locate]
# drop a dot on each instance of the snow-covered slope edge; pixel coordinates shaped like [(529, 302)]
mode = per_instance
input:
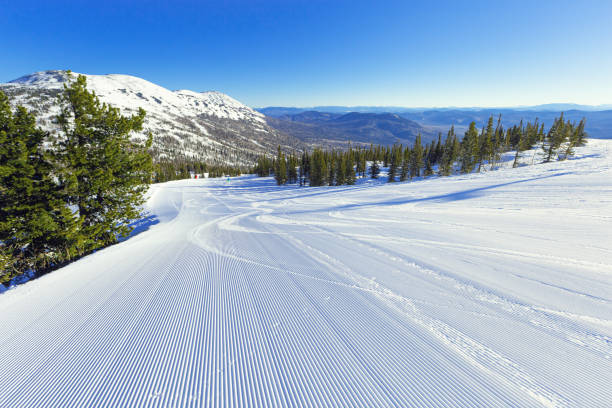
[(207, 125)]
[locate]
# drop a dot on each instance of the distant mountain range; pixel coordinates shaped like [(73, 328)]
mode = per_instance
[(336, 129), (430, 121)]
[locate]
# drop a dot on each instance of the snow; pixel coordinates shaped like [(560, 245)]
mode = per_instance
[(193, 119), (125, 92), (491, 289)]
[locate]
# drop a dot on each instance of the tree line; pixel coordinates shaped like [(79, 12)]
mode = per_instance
[(474, 152), (66, 196), (181, 168)]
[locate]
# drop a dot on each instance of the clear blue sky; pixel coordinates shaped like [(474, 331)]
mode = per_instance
[(305, 53)]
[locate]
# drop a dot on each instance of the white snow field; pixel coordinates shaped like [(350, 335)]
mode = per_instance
[(487, 290)]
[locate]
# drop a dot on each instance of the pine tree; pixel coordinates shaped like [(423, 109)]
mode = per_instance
[(340, 170), (405, 171), (498, 141), (374, 169), (580, 137), (554, 139), (37, 228), (395, 162), (520, 146), (331, 168), (106, 172), (447, 159), (575, 136), (416, 161), (487, 150), (469, 149), (280, 170), (349, 169)]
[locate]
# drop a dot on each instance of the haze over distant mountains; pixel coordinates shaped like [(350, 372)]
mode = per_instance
[(328, 128), (432, 120)]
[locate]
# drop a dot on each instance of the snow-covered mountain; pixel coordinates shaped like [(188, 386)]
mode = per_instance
[(208, 125)]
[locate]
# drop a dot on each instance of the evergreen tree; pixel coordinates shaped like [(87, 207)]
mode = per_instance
[(554, 139), (105, 171), (37, 229), (447, 159), (580, 137), (469, 149), (416, 161), (374, 169), (280, 170), (349, 169), (405, 171), (395, 162), (520, 146), (487, 150), (576, 137), (340, 170)]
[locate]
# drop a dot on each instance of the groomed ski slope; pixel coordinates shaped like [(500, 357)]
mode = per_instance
[(487, 290)]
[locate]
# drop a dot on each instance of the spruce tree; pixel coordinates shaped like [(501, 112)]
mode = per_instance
[(340, 170), (104, 169), (554, 139), (374, 169), (349, 169), (405, 171), (37, 228), (469, 149), (520, 146), (487, 149), (395, 162), (417, 158), (280, 170)]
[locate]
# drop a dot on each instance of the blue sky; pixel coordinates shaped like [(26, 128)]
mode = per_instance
[(306, 53)]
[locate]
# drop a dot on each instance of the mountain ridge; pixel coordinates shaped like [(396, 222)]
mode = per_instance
[(208, 126)]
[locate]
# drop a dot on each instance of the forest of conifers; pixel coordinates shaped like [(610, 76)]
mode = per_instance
[(474, 152)]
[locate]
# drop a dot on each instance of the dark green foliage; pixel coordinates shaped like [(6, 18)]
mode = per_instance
[(105, 171), (292, 169), (416, 158), (280, 168), (395, 161), (349, 168), (469, 149), (182, 168), (450, 152), (264, 166), (37, 228), (521, 145), (59, 204), (374, 169), (487, 149), (405, 170), (318, 169), (555, 138)]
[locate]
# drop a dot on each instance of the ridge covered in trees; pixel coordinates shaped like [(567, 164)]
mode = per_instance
[(475, 152), (61, 199)]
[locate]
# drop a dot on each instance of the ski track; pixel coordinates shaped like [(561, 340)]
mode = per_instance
[(376, 295)]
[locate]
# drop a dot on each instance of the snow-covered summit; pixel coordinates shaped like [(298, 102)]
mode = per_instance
[(183, 122), (126, 91)]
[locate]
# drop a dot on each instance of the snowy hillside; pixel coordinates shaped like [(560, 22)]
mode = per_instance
[(482, 290), (210, 125)]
